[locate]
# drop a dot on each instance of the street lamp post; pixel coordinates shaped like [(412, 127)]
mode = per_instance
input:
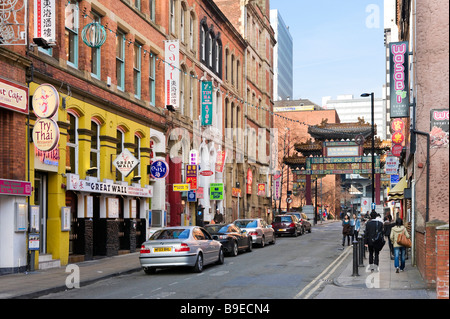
[(373, 141)]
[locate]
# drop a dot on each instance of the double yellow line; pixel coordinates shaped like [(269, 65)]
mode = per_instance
[(324, 275)]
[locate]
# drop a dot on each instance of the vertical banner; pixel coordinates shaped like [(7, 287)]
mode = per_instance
[(399, 72), (44, 20), (192, 176), (249, 181), (277, 185), (172, 72), (439, 128), (207, 102), (220, 162)]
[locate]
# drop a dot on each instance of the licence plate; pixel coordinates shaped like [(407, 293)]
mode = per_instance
[(281, 229), (162, 249)]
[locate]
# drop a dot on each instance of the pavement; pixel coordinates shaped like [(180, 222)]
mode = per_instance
[(381, 284)]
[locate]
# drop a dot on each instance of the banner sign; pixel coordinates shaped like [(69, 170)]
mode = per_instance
[(13, 187), (391, 165), (216, 191), (159, 169), (351, 165), (399, 72), (277, 186), (207, 103), (439, 128), (44, 19), (249, 180), (126, 162), (191, 176), (172, 73), (220, 162), (261, 189)]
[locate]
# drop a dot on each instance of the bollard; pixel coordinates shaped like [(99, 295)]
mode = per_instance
[(355, 258), (363, 248), (361, 251)]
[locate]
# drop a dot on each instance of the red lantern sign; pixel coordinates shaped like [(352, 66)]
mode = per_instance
[(398, 138), (396, 150)]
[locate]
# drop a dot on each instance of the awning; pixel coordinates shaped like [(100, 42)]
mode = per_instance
[(398, 191)]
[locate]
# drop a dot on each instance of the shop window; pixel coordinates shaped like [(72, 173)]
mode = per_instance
[(72, 145), (71, 34)]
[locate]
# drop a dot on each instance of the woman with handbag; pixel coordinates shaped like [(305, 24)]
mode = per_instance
[(399, 237)]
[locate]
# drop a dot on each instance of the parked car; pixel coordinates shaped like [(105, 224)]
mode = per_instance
[(261, 232), (233, 239), (306, 225), (287, 225), (189, 246)]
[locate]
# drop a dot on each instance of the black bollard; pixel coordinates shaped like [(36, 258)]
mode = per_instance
[(355, 258), (361, 251)]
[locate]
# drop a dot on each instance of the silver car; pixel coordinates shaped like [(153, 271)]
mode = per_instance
[(180, 246), (261, 232)]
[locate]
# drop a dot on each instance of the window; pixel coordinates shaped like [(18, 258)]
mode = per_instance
[(172, 16), (72, 145), (210, 49), (191, 32), (203, 43), (182, 88), (217, 62), (151, 81), (95, 148), (238, 70), (137, 70), (232, 69), (120, 60), (226, 63), (96, 52), (191, 95), (137, 154), (152, 9), (137, 4), (71, 34), (182, 29), (119, 148)]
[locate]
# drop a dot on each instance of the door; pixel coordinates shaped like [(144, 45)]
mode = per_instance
[(40, 199)]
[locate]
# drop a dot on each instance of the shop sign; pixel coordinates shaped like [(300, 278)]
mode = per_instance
[(220, 161), (199, 193), (13, 96), (12, 187), (397, 125), (159, 169), (191, 196), (236, 192), (193, 157), (44, 19), (399, 74), (45, 134), (206, 173), (45, 101), (391, 165), (180, 187), (396, 150), (75, 184), (172, 72), (261, 189), (126, 162), (249, 181), (191, 176), (207, 102), (439, 128), (398, 138), (216, 191)]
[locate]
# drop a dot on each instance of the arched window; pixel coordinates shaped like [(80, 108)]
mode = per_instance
[(72, 144), (120, 135), (95, 148), (191, 31)]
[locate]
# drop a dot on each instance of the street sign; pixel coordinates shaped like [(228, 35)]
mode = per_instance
[(206, 173), (216, 191), (191, 196), (159, 169), (373, 206), (180, 187), (289, 200)]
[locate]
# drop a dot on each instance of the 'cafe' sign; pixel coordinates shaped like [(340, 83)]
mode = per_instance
[(13, 96)]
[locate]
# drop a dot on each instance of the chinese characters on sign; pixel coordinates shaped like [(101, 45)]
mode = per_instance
[(399, 66), (44, 22), (172, 72), (207, 101), (191, 176), (159, 169)]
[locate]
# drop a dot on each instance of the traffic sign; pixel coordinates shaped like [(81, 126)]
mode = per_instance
[(373, 206)]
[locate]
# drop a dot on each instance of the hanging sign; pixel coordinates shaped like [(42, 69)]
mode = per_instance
[(399, 70), (216, 191), (207, 102), (45, 101), (172, 73), (13, 96), (126, 162), (180, 187), (45, 134), (206, 173), (192, 176), (261, 189), (391, 165), (396, 150), (249, 181), (398, 138), (397, 125), (193, 157), (44, 19), (220, 161), (159, 169), (439, 128)]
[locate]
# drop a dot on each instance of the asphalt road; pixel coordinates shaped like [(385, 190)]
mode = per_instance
[(292, 268)]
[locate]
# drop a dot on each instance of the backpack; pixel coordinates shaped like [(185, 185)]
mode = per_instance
[(377, 239)]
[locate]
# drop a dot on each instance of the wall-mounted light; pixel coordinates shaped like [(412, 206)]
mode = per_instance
[(91, 171), (136, 179)]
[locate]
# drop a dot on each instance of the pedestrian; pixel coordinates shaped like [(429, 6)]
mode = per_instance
[(357, 224), (346, 229), (399, 250), (373, 238), (218, 217), (388, 224), (352, 224)]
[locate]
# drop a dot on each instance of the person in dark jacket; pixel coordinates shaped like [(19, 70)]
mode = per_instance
[(388, 224), (346, 230), (373, 227)]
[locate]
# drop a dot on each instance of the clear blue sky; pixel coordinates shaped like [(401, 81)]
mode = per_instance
[(338, 46)]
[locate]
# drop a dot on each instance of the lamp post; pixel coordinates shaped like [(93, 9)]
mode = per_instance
[(373, 141)]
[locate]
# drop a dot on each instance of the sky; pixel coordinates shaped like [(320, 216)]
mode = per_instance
[(338, 46)]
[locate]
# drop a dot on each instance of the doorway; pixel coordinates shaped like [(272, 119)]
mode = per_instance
[(40, 199)]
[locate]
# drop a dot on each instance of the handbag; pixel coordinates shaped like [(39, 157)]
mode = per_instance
[(402, 240)]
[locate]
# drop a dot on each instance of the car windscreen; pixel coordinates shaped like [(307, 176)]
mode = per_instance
[(214, 228), (246, 223), (173, 233), (283, 219)]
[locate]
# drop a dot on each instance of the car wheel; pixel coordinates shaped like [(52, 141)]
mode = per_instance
[(149, 271), (295, 234), (234, 249), (309, 231), (199, 263), (221, 259), (250, 245)]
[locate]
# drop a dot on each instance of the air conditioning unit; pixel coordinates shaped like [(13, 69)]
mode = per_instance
[(158, 218)]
